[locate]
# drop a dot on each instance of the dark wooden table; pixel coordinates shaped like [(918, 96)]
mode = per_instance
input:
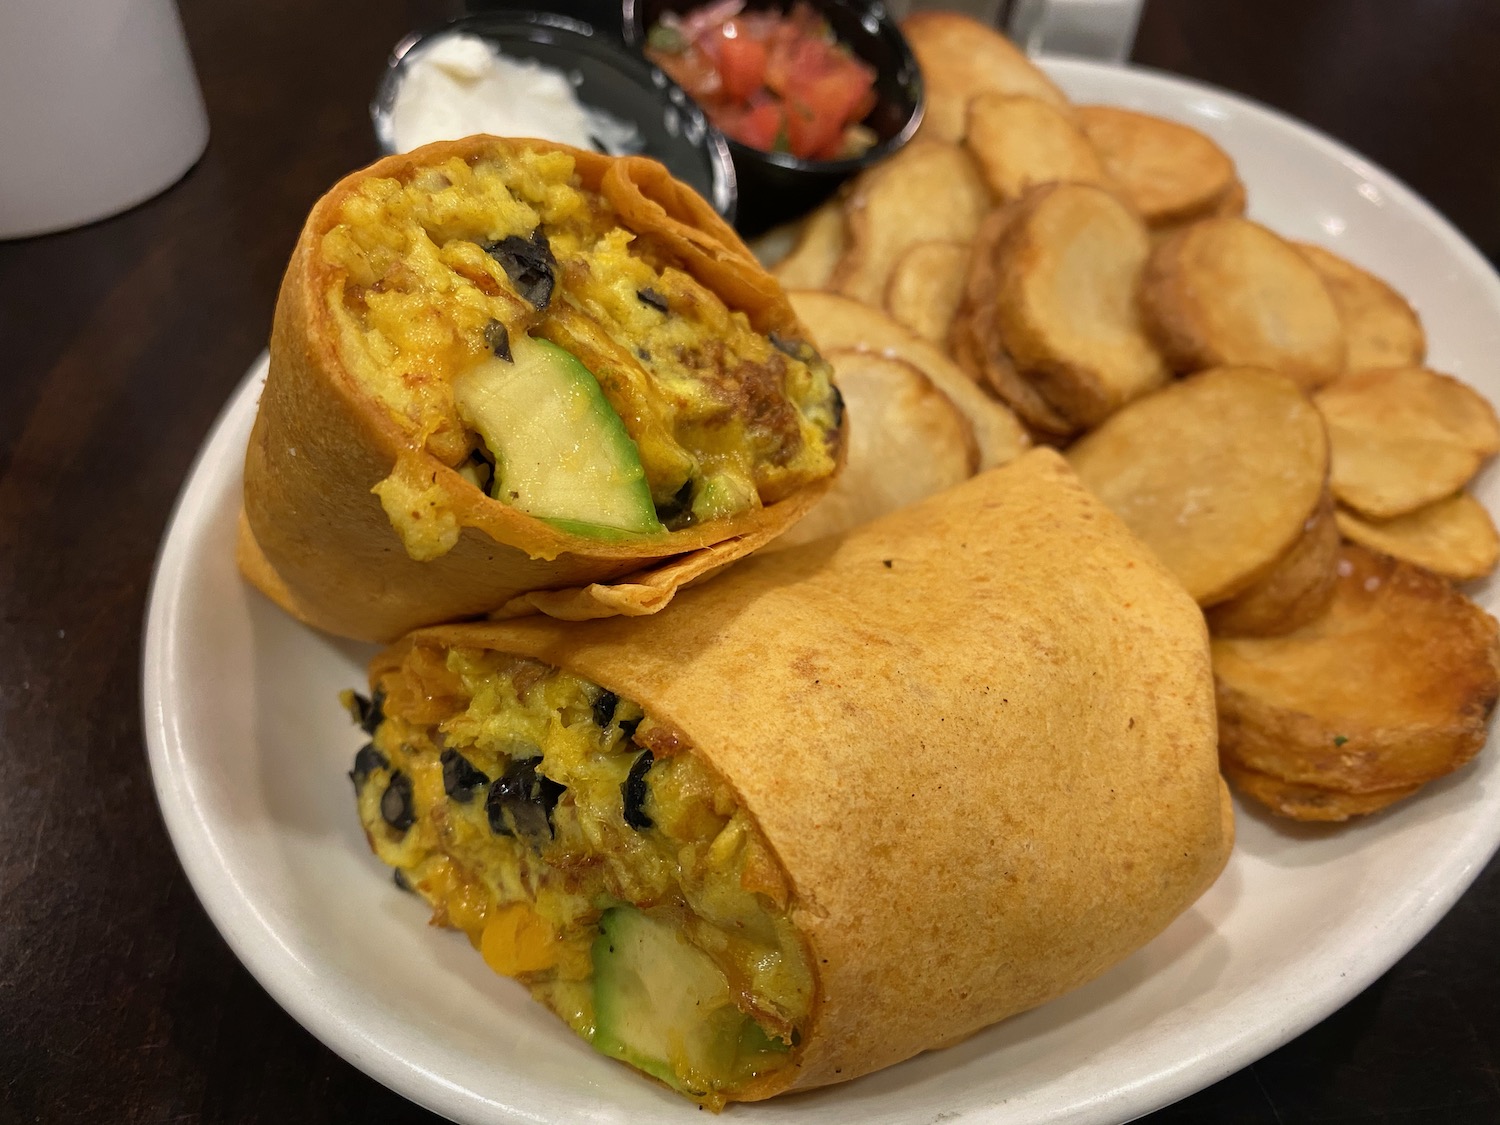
[(119, 343)]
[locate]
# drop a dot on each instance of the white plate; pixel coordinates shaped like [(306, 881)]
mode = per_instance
[(249, 748)]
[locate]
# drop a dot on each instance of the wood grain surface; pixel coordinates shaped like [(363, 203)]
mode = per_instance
[(120, 341)]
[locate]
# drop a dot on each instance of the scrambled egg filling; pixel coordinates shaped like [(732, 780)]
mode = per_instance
[(528, 806), (427, 278)]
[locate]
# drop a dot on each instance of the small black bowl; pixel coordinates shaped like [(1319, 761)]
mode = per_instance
[(607, 76), (777, 186)]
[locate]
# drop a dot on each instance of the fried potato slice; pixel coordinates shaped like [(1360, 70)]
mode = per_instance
[(1218, 474), (1382, 330), (1392, 687), (925, 287), (1404, 437), (1229, 291), (819, 246), (1168, 171), (906, 441), (1309, 802), (842, 323), (1067, 267), (1454, 538), (975, 342), (1021, 142), (1297, 590), (962, 58), (930, 191)]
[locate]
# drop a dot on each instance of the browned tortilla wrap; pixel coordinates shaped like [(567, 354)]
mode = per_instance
[(316, 540), (978, 734)]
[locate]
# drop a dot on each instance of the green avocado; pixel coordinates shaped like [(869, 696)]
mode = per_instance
[(561, 452)]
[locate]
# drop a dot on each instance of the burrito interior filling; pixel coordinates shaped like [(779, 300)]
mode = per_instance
[(586, 851), (504, 317)]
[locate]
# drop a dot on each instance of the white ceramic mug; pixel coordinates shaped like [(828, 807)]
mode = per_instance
[(99, 109)]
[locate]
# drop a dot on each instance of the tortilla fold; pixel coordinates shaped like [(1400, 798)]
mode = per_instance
[(978, 734), (318, 542)]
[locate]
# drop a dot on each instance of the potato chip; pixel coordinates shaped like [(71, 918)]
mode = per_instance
[(819, 246), (906, 441), (930, 191), (1454, 537), (841, 323), (1392, 687), (1168, 171), (1021, 142), (1218, 473), (1381, 328), (1229, 291), (961, 58), (1297, 590), (1067, 267), (1309, 802), (974, 338), (925, 287), (1404, 437)]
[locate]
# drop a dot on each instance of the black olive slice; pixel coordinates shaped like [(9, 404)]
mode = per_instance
[(497, 339), (651, 297), (604, 708), (792, 348), (838, 408), (461, 777), (368, 713), (633, 793), (399, 878), (521, 801), (529, 264), (679, 506), (395, 803), (366, 762)]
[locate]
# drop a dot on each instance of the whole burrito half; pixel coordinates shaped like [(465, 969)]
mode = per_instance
[(846, 803), (509, 375)]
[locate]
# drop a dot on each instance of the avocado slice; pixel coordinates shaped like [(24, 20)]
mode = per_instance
[(561, 452), (662, 1005)]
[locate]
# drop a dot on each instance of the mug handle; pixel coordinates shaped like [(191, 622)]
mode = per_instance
[(1094, 29)]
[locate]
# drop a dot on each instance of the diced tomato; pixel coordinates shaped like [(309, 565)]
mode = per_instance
[(758, 126), (742, 63)]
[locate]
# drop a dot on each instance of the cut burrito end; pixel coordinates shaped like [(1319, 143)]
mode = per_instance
[(588, 853), (524, 368), (845, 803)]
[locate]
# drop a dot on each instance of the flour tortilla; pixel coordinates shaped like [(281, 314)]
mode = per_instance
[(317, 541), (978, 733)]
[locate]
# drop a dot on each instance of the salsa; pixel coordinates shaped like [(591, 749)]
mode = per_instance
[(779, 83)]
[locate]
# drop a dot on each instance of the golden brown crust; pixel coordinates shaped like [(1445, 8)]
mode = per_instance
[(1021, 142), (1084, 830), (320, 544), (1297, 589), (1453, 537), (1391, 687), (1382, 329), (1309, 802), (1169, 172), (1229, 291)]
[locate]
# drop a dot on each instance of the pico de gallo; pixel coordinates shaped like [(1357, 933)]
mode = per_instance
[(778, 83)]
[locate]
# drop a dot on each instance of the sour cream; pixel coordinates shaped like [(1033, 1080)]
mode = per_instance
[(461, 84)]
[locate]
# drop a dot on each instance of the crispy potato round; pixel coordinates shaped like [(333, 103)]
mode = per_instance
[(1168, 171), (1297, 590), (906, 441), (930, 191), (1067, 267), (1219, 474), (925, 287), (1454, 537), (1229, 291), (839, 322), (1021, 142), (1393, 686), (975, 342), (1381, 329), (1404, 437), (961, 58), (1309, 802), (820, 244)]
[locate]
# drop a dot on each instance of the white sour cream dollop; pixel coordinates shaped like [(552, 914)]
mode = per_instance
[(460, 84)]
